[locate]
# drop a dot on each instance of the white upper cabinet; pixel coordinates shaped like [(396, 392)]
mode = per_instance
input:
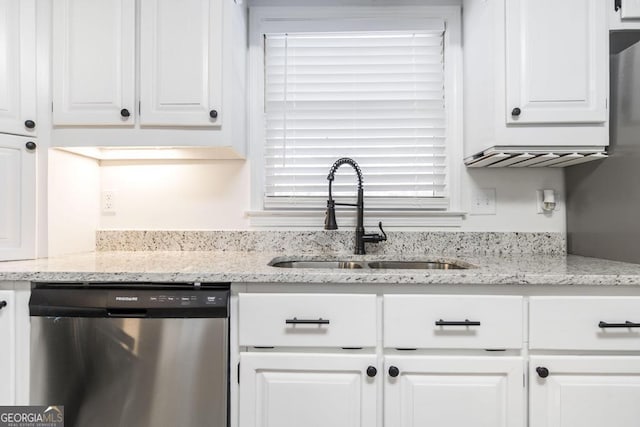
[(556, 61), (18, 67), (94, 62), (536, 77), (180, 56), (180, 62), (149, 73), (17, 198)]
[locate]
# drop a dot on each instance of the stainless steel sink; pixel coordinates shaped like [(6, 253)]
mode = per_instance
[(416, 265), (317, 264), (393, 264)]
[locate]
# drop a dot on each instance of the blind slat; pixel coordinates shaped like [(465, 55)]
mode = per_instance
[(362, 133), (294, 106)]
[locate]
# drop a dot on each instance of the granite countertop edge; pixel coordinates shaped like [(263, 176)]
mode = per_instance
[(252, 267)]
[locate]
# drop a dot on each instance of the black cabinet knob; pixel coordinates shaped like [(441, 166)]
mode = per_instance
[(542, 372), (213, 114), (30, 145), (125, 113), (3, 304), (372, 371), (393, 371), (516, 112), (29, 124)]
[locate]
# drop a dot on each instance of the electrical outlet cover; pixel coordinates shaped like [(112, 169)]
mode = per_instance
[(108, 202)]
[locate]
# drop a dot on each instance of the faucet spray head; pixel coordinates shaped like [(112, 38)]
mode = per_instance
[(330, 217)]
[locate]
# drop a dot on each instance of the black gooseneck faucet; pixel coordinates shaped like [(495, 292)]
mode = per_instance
[(330, 218)]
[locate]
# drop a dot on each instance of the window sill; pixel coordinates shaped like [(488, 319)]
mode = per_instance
[(395, 219)]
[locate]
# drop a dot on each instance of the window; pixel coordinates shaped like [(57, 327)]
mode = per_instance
[(367, 84)]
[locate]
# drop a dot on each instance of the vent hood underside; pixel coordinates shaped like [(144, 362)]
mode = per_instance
[(537, 157)]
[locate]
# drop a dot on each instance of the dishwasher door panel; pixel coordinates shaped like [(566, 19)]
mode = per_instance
[(110, 372)]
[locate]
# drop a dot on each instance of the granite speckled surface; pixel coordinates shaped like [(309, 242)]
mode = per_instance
[(252, 267), (338, 241)]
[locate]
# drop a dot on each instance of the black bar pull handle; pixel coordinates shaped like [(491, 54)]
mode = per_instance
[(466, 322), (296, 321), (626, 324)]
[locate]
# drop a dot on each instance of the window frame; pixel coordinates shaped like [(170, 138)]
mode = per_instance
[(265, 20)]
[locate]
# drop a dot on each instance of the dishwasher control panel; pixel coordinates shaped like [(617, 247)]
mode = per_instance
[(126, 298), (120, 301)]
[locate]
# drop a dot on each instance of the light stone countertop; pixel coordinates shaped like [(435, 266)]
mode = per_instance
[(252, 267)]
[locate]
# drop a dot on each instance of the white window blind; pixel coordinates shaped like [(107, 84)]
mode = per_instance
[(377, 97)]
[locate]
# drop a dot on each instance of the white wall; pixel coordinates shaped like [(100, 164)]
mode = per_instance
[(186, 195), (73, 205), (516, 204), (214, 195)]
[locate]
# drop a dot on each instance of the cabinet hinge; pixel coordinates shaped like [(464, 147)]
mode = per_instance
[(524, 380), (52, 107), (617, 5)]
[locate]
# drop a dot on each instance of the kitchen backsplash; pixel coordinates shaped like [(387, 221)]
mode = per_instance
[(339, 241)]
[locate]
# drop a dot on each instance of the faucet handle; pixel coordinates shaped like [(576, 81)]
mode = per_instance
[(384, 235), (375, 237)]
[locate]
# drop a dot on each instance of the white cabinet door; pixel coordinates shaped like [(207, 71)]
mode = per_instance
[(7, 348), (18, 67), (181, 62), (584, 391), (17, 198), (556, 61), (453, 391), (94, 62), (310, 390)]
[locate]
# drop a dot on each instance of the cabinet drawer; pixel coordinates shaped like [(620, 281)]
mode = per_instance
[(307, 320), (584, 323), (434, 321)]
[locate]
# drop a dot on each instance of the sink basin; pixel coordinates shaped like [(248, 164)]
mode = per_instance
[(317, 264), (393, 264), (416, 265)]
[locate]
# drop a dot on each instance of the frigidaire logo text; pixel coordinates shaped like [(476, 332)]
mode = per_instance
[(126, 298)]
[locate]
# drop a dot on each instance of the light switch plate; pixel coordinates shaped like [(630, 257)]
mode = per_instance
[(483, 201)]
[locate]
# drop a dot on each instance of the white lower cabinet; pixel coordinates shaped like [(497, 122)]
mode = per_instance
[(310, 390), (425, 363), (7, 348), (445, 391), (584, 391)]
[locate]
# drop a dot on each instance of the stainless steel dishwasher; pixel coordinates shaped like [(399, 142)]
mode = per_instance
[(131, 354)]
